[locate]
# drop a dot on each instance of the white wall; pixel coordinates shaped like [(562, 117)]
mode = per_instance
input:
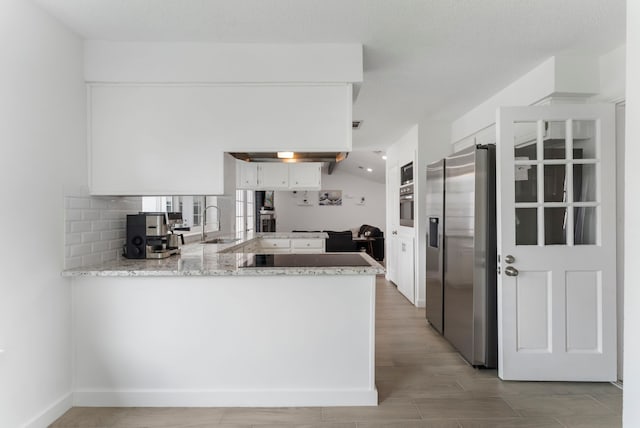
[(215, 62), (291, 216), (631, 410), (42, 133)]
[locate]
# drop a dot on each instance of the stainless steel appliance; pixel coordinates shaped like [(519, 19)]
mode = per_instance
[(406, 174), (147, 236), (435, 240), (406, 205), (466, 253)]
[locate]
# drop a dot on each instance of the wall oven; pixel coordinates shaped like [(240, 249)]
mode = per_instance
[(406, 174), (406, 205)]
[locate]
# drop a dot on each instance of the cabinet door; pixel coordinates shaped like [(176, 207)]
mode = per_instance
[(275, 246), (307, 246), (392, 258), (406, 265), (273, 176), (304, 176), (247, 177)]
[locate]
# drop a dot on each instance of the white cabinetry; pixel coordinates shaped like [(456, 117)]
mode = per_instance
[(307, 245), (304, 175), (295, 246), (140, 135), (400, 240), (273, 175), (405, 262), (278, 175), (247, 175)]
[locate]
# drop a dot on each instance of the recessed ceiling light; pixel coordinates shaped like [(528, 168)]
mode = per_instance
[(384, 157), (285, 155), (369, 170)]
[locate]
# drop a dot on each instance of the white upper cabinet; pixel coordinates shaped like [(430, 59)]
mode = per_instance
[(247, 175), (153, 139), (304, 175), (273, 175), (278, 176)]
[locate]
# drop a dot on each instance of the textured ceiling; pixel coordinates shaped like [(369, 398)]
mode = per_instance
[(423, 59)]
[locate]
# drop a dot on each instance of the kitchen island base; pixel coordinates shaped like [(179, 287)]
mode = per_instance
[(258, 341)]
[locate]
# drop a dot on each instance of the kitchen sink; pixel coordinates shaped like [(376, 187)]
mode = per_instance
[(222, 240)]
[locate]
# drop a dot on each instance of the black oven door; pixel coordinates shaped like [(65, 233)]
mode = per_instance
[(406, 210)]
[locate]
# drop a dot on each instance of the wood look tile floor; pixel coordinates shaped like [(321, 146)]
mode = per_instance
[(422, 383)]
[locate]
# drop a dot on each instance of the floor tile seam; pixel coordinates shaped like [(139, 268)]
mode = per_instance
[(559, 421), (615, 412), (516, 411)]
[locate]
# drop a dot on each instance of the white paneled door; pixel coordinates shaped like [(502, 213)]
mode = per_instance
[(556, 243)]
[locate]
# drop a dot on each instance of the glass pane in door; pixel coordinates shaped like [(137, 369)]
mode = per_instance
[(526, 183), (555, 226), (526, 137), (555, 183), (584, 182), (555, 141), (584, 139), (585, 225), (526, 226)]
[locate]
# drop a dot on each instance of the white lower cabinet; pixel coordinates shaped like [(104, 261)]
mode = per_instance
[(307, 245), (406, 268), (280, 246), (400, 265)]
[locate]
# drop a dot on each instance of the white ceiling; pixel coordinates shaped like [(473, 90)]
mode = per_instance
[(359, 160), (423, 59)]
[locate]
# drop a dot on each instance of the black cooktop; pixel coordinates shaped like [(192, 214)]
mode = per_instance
[(305, 260)]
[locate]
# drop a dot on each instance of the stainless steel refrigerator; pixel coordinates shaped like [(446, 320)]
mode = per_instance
[(461, 253)]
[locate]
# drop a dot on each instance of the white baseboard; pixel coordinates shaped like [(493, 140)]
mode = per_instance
[(229, 398), (422, 303), (51, 413)]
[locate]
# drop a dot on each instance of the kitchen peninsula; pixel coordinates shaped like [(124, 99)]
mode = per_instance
[(222, 326)]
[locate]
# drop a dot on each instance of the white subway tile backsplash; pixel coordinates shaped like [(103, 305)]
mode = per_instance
[(81, 226), (99, 203), (80, 250), (108, 256), (92, 259), (99, 247), (72, 214), (95, 228), (116, 244), (78, 203), (91, 215), (73, 238), (100, 225), (88, 237), (72, 262), (108, 235)]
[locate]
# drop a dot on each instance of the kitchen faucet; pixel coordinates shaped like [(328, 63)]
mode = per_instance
[(204, 219)]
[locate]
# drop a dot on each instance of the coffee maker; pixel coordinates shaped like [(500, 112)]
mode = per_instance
[(147, 236)]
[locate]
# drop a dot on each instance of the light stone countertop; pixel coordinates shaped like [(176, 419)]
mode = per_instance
[(219, 260)]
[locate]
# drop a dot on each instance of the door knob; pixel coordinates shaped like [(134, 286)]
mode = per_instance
[(509, 259), (511, 271)]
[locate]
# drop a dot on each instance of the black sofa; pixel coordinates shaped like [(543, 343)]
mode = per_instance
[(339, 242), (378, 242)]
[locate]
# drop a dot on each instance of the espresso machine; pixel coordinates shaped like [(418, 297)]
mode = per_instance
[(148, 237)]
